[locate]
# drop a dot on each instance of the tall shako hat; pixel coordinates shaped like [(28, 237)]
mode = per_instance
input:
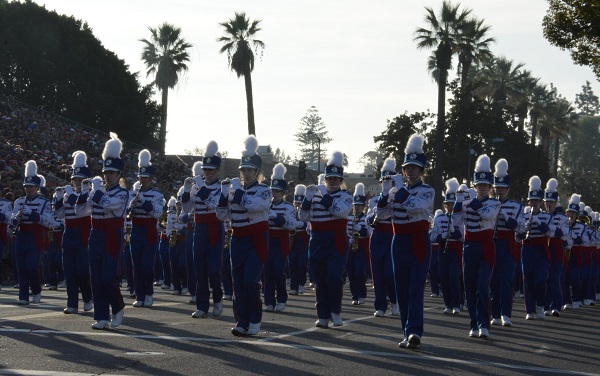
[(277, 178), (483, 172), (80, 168), (111, 155), (438, 212), (588, 212), (210, 159), (180, 194), (197, 168), (172, 205), (581, 208), (551, 194), (535, 189), (299, 193), (501, 176), (146, 169), (43, 190), (359, 194), (574, 203), (464, 191), (595, 219), (249, 157), (334, 165), (31, 176), (451, 189), (388, 168), (414, 151)]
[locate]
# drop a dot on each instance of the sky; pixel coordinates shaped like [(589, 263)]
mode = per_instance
[(355, 61)]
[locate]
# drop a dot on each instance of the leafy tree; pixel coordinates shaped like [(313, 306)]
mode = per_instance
[(312, 130), (240, 43), (587, 102), (166, 57), (573, 25)]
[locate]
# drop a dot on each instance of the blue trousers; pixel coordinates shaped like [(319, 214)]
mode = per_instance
[(226, 277), (503, 277), (28, 264), (105, 271), (245, 269), (177, 261), (409, 276), (165, 262), (53, 262), (574, 280), (434, 271), (76, 265), (382, 269), (274, 269), (356, 266), (189, 261), (327, 266), (554, 294), (594, 272), (208, 260), (298, 261), (535, 275), (477, 274), (143, 254), (450, 273)]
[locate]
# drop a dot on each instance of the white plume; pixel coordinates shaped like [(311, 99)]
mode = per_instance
[(452, 185), (144, 158), (279, 171), (43, 181), (415, 144), (113, 147), (321, 179), (179, 193), (197, 168), (211, 149), (30, 169), (300, 190), (359, 189), (483, 164), (136, 186), (574, 200), (501, 168), (463, 188), (581, 206), (251, 146), (551, 185), (535, 183), (172, 201), (588, 210), (336, 159), (79, 159), (527, 210), (389, 165)]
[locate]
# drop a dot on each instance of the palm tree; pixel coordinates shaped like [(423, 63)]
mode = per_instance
[(240, 45), (165, 55), (558, 119), (440, 35), (541, 97), (473, 47)]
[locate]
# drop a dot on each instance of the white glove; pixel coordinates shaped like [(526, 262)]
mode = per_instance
[(85, 187), (272, 214), (59, 192), (27, 210), (68, 190), (386, 185), (323, 189), (398, 180), (97, 183), (225, 188), (236, 184), (310, 192), (187, 184), (356, 227), (199, 181)]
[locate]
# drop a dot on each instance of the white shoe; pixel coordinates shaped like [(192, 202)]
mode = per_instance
[(435, 295), (279, 307), (227, 297), (473, 333), (62, 284), (217, 309), (192, 299), (138, 303), (483, 333), (175, 292), (355, 302), (322, 323), (378, 313), (361, 301), (568, 306), (586, 302), (117, 318), (395, 309), (69, 310), (547, 312), (555, 313), (100, 324), (530, 316), (88, 306), (413, 341), (293, 292), (184, 291), (253, 329), (576, 305), (301, 290), (506, 321), (540, 312), (159, 282), (148, 301), (269, 308), (456, 311), (403, 344), (165, 286), (447, 311), (199, 314), (37, 298), (495, 322), (336, 319), (239, 331)]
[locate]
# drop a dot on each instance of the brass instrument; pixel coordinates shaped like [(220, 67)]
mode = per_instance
[(127, 233), (227, 244), (582, 218), (530, 224), (132, 205), (355, 234), (448, 232), (50, 235), (173, 234), (19, 218)]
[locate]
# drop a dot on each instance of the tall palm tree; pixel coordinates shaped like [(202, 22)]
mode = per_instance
[(473, 47), (240, 44), (440, 35), (502, 79), (166, 56), (558, 119), (541, 98)]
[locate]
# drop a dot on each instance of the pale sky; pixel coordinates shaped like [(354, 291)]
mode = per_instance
[(354, 60)]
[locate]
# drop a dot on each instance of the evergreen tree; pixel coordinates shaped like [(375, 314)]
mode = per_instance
[(587, 102), (312, 130)]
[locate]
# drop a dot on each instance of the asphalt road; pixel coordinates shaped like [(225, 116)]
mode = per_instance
[(165, 340)]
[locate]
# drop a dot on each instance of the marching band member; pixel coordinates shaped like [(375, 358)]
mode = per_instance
[(298, 257), (31, 216), (246, 202), (595, 280), (75, 238), (53, 268), (109, 204), (145, 209), (479, 217), (201, 195), (6, 208), (326, 207), (226, 277), (176, 234), (510, 217), (588, 249), (409, 206), (126, 253), (163, 253), (358, 233), (380, 250), (560, 223), (535, 255), (450, 252), (282, 220), (577, 238)]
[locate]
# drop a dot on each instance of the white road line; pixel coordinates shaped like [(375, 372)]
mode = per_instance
[(411, 355), (42, 373)]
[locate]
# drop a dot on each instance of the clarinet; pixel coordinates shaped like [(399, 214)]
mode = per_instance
[(448, 232)]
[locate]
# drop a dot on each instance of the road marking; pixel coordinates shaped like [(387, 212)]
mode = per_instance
[(29, 372), (410, 355)]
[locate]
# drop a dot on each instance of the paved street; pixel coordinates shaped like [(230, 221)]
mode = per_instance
[(165, 340)]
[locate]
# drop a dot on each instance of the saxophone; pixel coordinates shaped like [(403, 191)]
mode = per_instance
[(355, 234), (227, 244), (173, 234)]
